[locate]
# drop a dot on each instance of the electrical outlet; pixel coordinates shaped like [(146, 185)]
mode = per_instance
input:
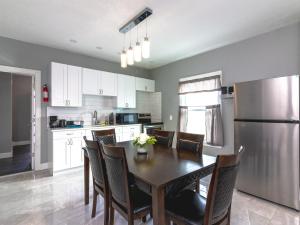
[(171, 117)]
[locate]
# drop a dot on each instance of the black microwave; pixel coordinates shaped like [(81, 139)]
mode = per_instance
[(126, 118)]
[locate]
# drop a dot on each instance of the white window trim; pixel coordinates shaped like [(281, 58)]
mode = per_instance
[(204, 75)]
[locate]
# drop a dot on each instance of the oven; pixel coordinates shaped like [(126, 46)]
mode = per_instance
[(148, 128)]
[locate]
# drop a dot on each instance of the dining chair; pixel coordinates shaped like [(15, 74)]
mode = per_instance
[(191, 208), (192, 143), (100, 184), (125, 197), (163, 137), (107, 136)]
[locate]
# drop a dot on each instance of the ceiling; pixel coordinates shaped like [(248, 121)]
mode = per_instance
[(178, 29)]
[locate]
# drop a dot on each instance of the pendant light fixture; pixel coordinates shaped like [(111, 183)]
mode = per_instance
[(140, 50), (123, 54), (146, 44), (137, 47), (130, 60)]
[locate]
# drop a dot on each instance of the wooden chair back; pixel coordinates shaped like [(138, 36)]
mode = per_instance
[(190, 142), (164, 137), (221, 188), (118, 174), (107, 136)]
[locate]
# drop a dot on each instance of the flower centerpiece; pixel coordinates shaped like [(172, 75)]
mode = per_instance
[(142, 141)]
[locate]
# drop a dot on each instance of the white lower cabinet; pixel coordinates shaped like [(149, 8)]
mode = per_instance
[(67, 150), (61, 155), (76, 152), (67, 145)]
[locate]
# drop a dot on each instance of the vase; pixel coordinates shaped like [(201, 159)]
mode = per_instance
[(142, 150)]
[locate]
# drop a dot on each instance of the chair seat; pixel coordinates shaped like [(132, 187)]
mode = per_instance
[(188, 207), (141, 201)]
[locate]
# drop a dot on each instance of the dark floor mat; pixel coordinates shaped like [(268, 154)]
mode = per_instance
[(20, 162)]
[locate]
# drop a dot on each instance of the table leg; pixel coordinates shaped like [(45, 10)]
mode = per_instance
[(86, 164), (158, 205)]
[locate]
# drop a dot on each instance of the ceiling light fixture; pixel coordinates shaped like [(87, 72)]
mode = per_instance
[(130, 60), (123, 55), (139, 50)]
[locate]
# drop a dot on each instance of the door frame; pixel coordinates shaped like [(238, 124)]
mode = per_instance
[(35, 111)]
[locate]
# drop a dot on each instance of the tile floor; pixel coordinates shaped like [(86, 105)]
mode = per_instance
[(37, 199), (20, 162)]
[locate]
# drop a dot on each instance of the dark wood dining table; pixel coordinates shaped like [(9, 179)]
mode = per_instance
[(155, 170)]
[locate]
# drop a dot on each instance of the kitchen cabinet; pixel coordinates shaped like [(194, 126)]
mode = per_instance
[(65, 85), (126, 92), (76, 152), (95, 82), (143, 84), (130, 132), (67, 150), (66, 145), (61, 155)]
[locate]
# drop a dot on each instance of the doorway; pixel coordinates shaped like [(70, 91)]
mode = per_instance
[(19, 120)]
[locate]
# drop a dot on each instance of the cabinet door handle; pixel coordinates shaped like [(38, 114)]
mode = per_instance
[(71, 141), (145, 88)]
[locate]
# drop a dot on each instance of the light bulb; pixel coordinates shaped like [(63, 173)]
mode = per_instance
[(138, 52), (130, 60), (123, 59), (146, 48)]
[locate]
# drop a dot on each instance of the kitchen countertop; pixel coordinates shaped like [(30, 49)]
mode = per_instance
[(92, 127)]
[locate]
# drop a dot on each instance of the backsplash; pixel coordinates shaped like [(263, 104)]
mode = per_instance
[(145, 103)]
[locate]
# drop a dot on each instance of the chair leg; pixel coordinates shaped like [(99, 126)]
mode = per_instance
[(130, 221), (144, 219), (228, 215), (111, 215), (95, 194), (106, 210)]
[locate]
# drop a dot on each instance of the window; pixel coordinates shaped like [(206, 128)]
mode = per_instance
[(199, 107)]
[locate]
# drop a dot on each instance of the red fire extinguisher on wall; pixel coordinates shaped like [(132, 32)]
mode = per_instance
[(45, 93)]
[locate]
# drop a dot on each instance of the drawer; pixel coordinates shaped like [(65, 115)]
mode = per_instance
[(131, 129), (119, 130), (67, 134)]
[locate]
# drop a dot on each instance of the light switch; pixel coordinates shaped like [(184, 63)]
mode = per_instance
[(171, 117)]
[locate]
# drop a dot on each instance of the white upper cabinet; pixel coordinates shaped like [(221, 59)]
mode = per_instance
[(143, 84), (95, 82), (74, 86), (126, 92), (66, 87), (90, 81)]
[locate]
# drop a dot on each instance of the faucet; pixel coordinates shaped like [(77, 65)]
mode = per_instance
[(94, 119)]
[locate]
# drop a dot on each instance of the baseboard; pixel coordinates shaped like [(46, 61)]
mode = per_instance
[(5, 155), (16, 143)]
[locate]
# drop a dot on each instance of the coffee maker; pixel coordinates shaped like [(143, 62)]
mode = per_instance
[(53, 122)]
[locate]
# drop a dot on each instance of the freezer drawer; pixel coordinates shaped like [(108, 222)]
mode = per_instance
[(269, 99), (270, 164)]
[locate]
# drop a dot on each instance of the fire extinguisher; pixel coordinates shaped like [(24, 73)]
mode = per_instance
[(45, 93)]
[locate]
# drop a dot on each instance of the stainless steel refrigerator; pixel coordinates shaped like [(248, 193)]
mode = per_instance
[(267, 124)]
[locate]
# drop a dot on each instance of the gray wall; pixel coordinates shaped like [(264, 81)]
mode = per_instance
[(21, 107), (5, 113), (30, 56), (269, 55)]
